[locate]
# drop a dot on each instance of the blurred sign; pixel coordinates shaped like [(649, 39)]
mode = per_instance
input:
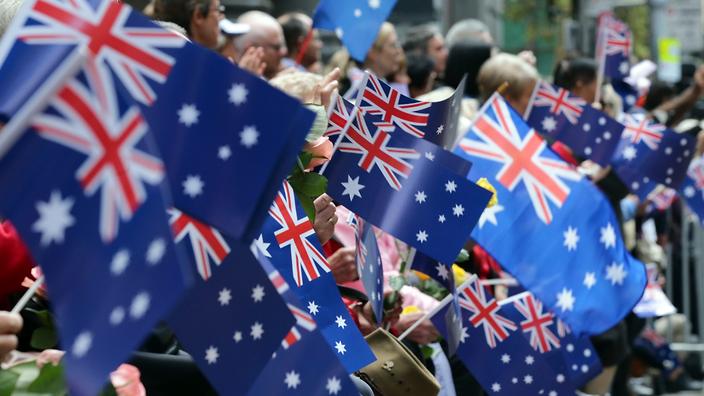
[(684, 22), (669, 59), (592, 8)]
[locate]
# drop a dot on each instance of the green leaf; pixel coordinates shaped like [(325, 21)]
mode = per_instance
[(462, 256), (44, 338), (308, 207), (44, 316), (50, 380), (397, 282), (8, 381), (427, 352)]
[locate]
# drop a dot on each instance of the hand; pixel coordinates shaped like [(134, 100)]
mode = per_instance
[(10, 325), (425, 333), (325, 218), (343, 265), (529, 57), (326, 87), (251, 61)]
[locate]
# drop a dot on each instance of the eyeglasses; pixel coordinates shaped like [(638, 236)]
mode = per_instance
[(219, 9)]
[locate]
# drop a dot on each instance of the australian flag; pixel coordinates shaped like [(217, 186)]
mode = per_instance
[(628, 94), (554, 231), (355, 22), (654, 302), (693, 187), (493, 349), (613, 50), (289, 242), (587, 131), (650, 153), (304, 364), (381, 175), (235, 313), (92, 214), (369, 266)]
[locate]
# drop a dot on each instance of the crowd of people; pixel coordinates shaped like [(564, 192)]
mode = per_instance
[(427, 65)]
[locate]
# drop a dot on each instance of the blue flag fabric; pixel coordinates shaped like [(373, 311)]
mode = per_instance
[(381, 175), (628, 94), (498, 356), (649, 153), (92, 214), (554, 231), (235, 313), (290, 243), (614, 41), (369, 265), (304, 364), (355, 22), (693, 187), (587, 131)]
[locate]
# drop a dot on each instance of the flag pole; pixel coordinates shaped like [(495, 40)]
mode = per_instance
[(28, 295), (602, 60), (499, 91)]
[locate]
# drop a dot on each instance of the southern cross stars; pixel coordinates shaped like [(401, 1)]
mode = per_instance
[(608, 236), (565, 300), (571, 239), (258, 293), (458, 210), (193, 186), (119, 262), (589, 280), (249, 136), (442, 271), (450, 186), (421, 236), (224, 152), (238, 94), (420, 196), (340, 347), (616, 273), (549, 124), (211, 355), (188, 114), (256, 331), (156, 251), (224, 296), (292, 380), (54, 218), (140, 305), (333, 386), (340, 321), (352, 187), (630, 153), (313, 308)]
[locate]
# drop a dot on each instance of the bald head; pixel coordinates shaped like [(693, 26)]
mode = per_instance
[(264, 32)]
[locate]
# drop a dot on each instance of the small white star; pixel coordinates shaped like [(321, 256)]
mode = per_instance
[(156, 251), (689, 191), (560, 378), (588, 151), (258, 293), (82, 344), (188, 114), (528, 379), (630, 153), (530, 360), (352, 187), (565, 300), (670, 171), (249, 136), (586, 127), (357, 13), (238, 94), (340, 347), (683, 142), (292, 380), (333, 386), (589, 280), (54, 218), (607, 135), (421, 236), (570, 348), (117, 316), (630, 100), (571, 239), (505, 358), (421, 197), (211, 355), (339, 32), (623, 67), (450, 186), (495, 387), (587, 353), (514, 380), (256, 331), (598, 140), (441, 218), (549, 124), (140, 305), (668, 181), (224, 152), (237, 337), (668, 150), (313, 308), (489, 214), (193, 186), (616, 273), (224, 296), (430, 156), (585, 368), (602, 121), (262, 246), (635, 185), (608, 236), (464, 335), (442, 271), (552, 393), (374, 4), (119, 262), (440, 129), (458, 210), (340, 321)]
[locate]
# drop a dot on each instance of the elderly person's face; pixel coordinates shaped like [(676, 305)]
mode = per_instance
[(387, 57), (272, 41)]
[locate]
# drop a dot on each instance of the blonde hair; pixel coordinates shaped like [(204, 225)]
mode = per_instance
[(301, 85), (386, 29), (8, 9), (506, 68)]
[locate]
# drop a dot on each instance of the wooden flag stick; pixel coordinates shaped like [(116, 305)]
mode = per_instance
[(28, 295)]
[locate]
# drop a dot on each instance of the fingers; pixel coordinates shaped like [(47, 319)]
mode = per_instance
[(321, 202), (8, 343), (10, 323)]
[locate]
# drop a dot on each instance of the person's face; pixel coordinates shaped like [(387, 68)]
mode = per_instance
[(586, 91), (228, 49), (387, 57), (274, 50), (438, 53), (205, 29), (312, 54)]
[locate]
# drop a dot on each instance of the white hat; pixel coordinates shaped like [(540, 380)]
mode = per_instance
[(230, 28)]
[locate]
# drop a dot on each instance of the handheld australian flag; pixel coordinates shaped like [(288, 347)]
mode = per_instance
[(587, 131), (92, 214), (369, 266), (554, 232), (693, 187), (654, 302), (304, 364), (650, 153), (234, 313), (355, 22), (614, 46), (381, 175), (290, 243)]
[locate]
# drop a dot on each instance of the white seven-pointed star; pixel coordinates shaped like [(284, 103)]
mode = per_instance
[(441, 218), (54, 218), (530, 360), (292, 380), (256, 331), (630, 153), (193, 186), (528, 379), (156, 251), (589, 280), (258, 293), (495, 387), (549, 124), (450, 186), (352, 187), (489, 214), (608, 236), (565, 300), (505, 358), (616, 273), (442, 270), (140, 305), (211, 355), (421, 197), (340, 321), (224, 296), (333, 386), (339, 32), (237, 336), (249, 136), (374, 4), (623, 67), (262, 246), (188, 114), (440, 129), (238, 94), (224, 152), (312, 308), (689, 191), (458, 210), (119, 262), (464, 335), (117, 315), (357, 12), (340, 347), (421, 236), (571, 238), (82, 344), (430, 156)]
